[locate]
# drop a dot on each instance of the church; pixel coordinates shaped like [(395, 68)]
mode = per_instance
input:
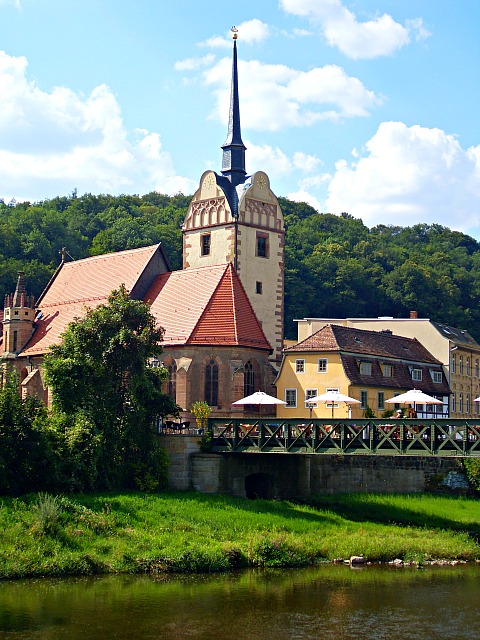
[(222, 312)]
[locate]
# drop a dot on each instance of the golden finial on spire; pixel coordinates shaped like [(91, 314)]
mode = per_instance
[(234, 31)]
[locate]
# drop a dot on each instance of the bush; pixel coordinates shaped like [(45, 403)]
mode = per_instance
[(472, 471)]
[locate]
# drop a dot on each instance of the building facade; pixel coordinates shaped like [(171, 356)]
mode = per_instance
[(369, 366), (456, 349)]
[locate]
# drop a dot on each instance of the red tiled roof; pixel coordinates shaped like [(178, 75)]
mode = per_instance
[(80, 284), (205, 305)]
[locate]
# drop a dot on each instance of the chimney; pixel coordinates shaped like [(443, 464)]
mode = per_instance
[(413, 315)]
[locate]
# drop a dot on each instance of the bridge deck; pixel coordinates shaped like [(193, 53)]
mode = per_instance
[(442, 437)]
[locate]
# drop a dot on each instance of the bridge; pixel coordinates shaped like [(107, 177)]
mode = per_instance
[(402, 437)]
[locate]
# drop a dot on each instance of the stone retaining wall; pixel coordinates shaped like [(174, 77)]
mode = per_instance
[(281, 475)]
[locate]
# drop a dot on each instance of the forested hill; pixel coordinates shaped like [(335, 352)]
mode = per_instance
[(335, 266)]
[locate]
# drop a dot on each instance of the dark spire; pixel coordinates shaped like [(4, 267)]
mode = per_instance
[(233, 162)]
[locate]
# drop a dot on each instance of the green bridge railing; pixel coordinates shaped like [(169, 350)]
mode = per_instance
[(442, 437)]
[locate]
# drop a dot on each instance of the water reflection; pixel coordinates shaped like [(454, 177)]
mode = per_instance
[(328, 602)]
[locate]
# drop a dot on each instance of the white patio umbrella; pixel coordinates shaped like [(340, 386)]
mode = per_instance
[(477, 399), (259, 398), (414, 396), (333, 397)]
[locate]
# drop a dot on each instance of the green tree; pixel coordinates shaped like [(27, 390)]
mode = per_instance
[(100, 371)]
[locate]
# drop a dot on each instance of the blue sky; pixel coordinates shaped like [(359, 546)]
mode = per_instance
[(364, 106)]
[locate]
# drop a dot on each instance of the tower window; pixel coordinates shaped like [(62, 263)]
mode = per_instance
[(262, 245), (249, 379), (15, 340), (258, 287), (205, 244)]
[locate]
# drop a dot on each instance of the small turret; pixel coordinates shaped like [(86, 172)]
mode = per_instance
[(18, 318)]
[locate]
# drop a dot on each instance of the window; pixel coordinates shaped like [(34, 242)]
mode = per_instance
[(381, 400), (467, 403), (468, 367), (460, 402), (15, 340), (258, 287), (249, 379), (172, 380), (460, 365), (363, 399), (476, 367), (211, 383), (262, 245), (454, 402), (388, 370), (366, 368), (417, 375), (205, 244), (436, 376), (454, 363), (299, 366), (311, 393), (322, 365), (291, 398)]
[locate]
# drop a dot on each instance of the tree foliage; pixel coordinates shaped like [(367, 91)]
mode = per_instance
[(335, 266), (107, 397)]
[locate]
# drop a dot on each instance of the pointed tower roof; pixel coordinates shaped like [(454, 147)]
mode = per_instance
[(20, 290), (233, 160)]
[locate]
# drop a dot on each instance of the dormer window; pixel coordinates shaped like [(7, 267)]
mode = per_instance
[(417, 375), (388, 370), (366, 368), (436, 376)]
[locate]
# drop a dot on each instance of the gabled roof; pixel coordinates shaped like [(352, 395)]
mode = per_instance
[(86, 283), (205, 306), (333, 337)]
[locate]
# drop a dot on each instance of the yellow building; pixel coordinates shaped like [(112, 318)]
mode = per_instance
[(456, 349), (370, 366)]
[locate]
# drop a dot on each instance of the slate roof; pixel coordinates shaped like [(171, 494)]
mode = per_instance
[(205, 305), (377, 347), (459, 336)]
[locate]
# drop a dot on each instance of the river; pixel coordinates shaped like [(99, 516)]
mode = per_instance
[(326, 602)]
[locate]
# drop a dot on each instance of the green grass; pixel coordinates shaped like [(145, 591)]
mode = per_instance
[(45, 535)]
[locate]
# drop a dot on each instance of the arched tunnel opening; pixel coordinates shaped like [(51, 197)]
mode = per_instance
[(259, 485)]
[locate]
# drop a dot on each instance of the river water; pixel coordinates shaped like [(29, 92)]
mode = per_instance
[(327, 602)]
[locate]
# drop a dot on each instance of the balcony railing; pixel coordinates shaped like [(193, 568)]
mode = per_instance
[(439, 437)]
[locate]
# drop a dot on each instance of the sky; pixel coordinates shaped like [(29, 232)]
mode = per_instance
[(369, 107)]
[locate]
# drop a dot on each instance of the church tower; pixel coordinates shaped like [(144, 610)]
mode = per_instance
[(18, 319), (236, 218)]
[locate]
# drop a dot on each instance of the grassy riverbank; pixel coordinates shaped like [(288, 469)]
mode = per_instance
[(42, 535)]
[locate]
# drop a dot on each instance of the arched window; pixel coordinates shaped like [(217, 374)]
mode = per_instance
[(476, 367), (460, 365), (249, 379), (211, 383), (468, 366), (172, 380), (454, 363)]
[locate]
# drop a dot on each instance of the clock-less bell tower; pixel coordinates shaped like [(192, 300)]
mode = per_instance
[(235, 217)]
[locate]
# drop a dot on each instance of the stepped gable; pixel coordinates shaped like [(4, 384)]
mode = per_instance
[(205, 306), (84, 284)]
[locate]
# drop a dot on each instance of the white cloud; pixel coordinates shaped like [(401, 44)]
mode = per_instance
[(190, 64), (379, 36), (270, 159), (409, 175), (305, 196), (13, 3), (251, 32), (53, 142), (305, 162), (277, 96)]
